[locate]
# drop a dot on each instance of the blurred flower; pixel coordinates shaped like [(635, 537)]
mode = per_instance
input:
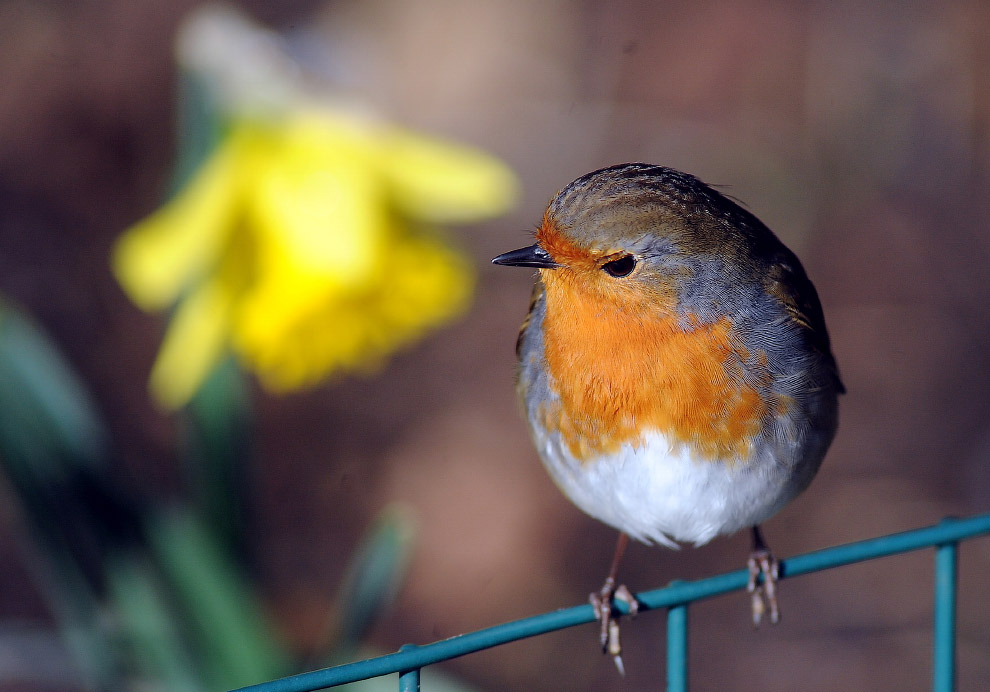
[(306, 243)]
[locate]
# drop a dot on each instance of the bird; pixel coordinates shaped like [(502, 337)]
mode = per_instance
[(674, 368)]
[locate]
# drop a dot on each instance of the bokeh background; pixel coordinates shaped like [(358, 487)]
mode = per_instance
[(859, 132)]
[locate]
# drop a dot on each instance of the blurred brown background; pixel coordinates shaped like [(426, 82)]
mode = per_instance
[(858, 133)]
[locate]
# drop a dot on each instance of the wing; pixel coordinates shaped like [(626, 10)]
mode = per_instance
[(789, 284)]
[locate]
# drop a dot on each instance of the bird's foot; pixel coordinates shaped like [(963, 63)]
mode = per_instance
[(764, 594), (601, 601)]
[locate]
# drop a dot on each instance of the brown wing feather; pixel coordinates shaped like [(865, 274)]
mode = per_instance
[(788, 283)]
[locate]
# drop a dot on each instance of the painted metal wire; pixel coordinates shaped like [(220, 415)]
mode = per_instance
[(944, 537)]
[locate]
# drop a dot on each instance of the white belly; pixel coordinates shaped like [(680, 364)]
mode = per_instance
[(658, 494)]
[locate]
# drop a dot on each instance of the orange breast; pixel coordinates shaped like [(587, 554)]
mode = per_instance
[(623, 366)]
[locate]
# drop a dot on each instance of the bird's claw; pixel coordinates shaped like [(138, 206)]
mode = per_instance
[(601, 601), (764, 595)]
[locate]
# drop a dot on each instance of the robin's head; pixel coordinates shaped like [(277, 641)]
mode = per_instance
[(637, 231)]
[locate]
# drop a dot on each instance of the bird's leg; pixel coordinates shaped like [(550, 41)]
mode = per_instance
[(762, 561), (601, 601)]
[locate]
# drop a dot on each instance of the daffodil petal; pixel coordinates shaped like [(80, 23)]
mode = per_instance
[(195, 341), (267, 314), (156, 258), (424, 283), (318, 205), (429, 283), (443, 182)]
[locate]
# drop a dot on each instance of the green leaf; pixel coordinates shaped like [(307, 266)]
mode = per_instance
[(224, 618), (373, 577), (46, 415), (51, 437), (149, 630)]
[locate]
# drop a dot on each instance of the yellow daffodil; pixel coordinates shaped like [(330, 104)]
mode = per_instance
[(306, 244)]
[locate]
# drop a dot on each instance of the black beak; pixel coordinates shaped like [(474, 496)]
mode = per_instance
[(532, 256)]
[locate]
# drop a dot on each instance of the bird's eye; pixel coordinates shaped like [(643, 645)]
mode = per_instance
[(620, 267)]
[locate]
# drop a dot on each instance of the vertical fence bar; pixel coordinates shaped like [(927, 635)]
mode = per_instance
[(409, 679), (944, 665), (677, 648)]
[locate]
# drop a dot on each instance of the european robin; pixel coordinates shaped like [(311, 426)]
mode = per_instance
[(674, 368)]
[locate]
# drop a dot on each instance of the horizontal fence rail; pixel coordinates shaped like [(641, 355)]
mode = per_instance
[(944, 536)]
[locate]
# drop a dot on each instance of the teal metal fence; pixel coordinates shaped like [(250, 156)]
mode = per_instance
[(944, 537)]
